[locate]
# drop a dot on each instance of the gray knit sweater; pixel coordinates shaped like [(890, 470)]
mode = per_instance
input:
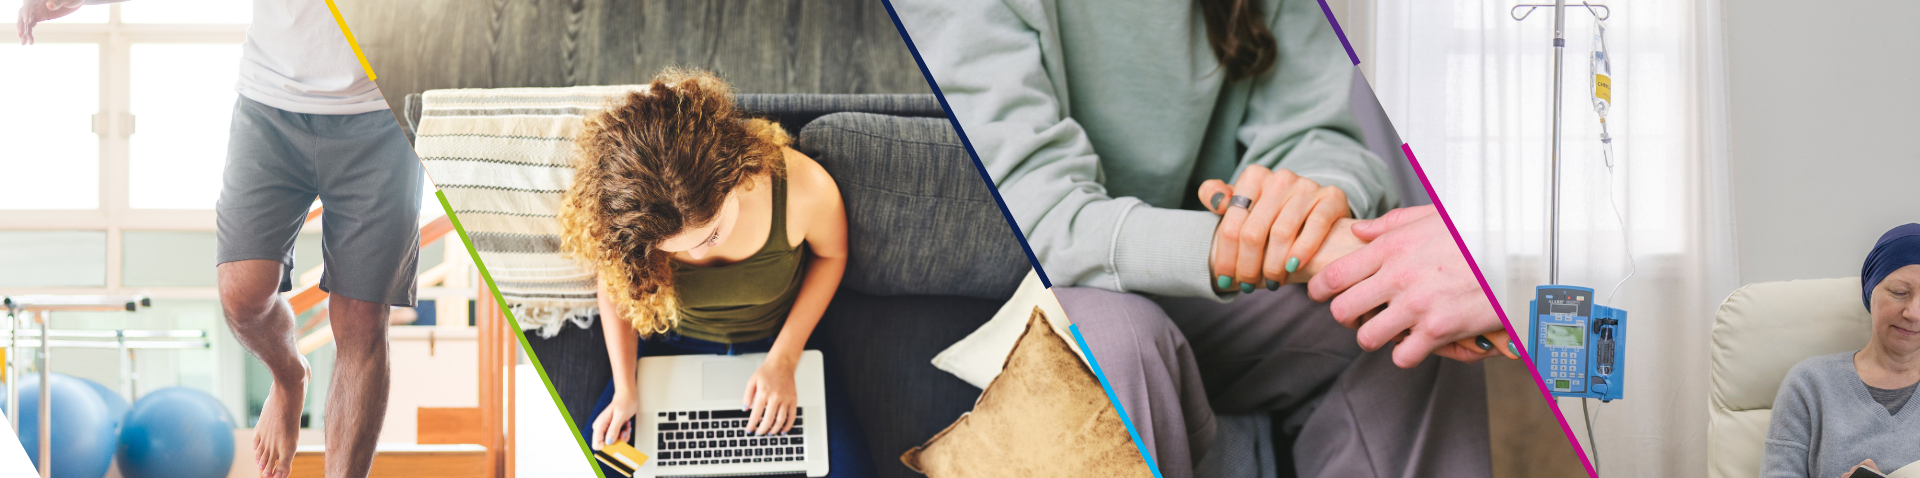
[(1825, 422)]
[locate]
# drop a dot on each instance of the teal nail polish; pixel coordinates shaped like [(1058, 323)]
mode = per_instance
[(1271, 285), (1246, 288), (1216, 204), (1223, 282), (1293, 264)]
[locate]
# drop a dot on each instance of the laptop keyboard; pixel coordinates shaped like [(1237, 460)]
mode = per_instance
[(712, 437)]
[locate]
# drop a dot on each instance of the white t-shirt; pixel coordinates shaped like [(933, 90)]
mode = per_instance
[(296, 59)]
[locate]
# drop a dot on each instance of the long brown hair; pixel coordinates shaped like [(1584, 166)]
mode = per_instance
[(1240, 37), (660, 162)]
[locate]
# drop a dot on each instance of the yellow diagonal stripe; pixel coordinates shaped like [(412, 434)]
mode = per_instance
[(350, 41)]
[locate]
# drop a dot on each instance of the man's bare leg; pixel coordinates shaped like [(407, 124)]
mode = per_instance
[(263, 323), (357, 401)]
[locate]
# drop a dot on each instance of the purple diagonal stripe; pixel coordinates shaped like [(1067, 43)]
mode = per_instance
[(1341, 33), (1512, 333)]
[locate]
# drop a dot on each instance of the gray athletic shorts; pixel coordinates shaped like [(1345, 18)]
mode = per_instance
[(366, 177)]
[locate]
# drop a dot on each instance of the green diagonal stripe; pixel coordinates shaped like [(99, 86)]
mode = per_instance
[(572, 429)]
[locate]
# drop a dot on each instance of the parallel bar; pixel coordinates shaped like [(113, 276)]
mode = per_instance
[(132, 334), (84, 344), (125, 358), (13, 373), (46, 399), (101, 303)]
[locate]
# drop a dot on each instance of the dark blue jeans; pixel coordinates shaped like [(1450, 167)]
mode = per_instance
[(847, 455)]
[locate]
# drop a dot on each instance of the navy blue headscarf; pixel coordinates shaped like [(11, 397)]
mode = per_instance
[(1897, 248)]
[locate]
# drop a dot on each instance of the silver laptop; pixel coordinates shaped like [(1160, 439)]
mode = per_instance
[(691, 423)]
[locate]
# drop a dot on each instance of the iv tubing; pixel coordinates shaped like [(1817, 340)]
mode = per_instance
[(1626, 240)]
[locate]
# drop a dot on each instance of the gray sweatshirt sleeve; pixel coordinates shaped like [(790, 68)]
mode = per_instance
[(1299, 118), (1787, 454), (987, 58)]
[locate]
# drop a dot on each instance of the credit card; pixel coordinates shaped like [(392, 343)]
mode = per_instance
[(621, 457)]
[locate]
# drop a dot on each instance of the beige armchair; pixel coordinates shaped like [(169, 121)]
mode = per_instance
[(1759, 333)]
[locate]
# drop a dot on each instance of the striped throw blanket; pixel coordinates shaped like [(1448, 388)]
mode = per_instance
[(503, 157)]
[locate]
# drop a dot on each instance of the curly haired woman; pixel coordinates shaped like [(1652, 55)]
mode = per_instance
[(710, 236)]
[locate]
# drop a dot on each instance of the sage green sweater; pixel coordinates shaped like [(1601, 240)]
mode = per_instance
[(1099, 120)]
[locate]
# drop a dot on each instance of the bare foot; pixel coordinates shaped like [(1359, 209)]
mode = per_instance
[(278, 432)]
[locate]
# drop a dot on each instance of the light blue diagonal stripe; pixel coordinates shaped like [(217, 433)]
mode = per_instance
[(1075, 328)]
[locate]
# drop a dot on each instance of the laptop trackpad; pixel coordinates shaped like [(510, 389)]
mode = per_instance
[(725, 379)]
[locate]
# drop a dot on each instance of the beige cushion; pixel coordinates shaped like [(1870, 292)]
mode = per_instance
[(1759, 333), (1044, 415), (977, 359)]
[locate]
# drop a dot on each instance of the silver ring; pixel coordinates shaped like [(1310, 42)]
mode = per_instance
[(1240, 202)]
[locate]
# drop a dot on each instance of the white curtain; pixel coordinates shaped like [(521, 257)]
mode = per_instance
[(1470, 88)]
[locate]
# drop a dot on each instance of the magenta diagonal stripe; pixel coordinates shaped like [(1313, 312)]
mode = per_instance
[(1512, 333)]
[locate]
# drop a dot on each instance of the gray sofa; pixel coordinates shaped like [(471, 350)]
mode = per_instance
[(931, 259)]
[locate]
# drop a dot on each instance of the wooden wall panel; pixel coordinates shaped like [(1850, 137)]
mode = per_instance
[(400, 462), (450, 426), (761, 46)]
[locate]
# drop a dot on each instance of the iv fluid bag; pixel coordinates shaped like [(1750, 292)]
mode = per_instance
[(1602, 73)]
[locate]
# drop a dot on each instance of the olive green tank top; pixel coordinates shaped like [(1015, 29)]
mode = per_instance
[(746, 300)]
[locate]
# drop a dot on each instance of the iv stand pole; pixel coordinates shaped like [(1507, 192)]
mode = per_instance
[(1559, 51), (1559, 56)]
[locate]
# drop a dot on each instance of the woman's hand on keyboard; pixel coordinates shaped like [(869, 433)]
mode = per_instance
[(771, 396), (615, 423)]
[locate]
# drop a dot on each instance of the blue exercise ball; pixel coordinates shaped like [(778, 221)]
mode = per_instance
[(83, 427), (176, 432), (116, 406)]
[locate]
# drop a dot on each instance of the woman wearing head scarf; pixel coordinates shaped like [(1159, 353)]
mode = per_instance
[(1839, 412)]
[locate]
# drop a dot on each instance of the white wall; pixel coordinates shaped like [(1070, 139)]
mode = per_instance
[(543, 444), (437, 371), (1825, 109)]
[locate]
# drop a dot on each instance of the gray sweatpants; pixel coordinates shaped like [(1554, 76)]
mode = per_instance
[(1174, 363)]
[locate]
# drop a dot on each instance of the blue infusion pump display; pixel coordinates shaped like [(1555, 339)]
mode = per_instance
[(1578, 347)]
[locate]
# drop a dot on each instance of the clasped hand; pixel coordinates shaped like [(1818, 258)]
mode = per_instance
[(1284, 227), (1399, 278)]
